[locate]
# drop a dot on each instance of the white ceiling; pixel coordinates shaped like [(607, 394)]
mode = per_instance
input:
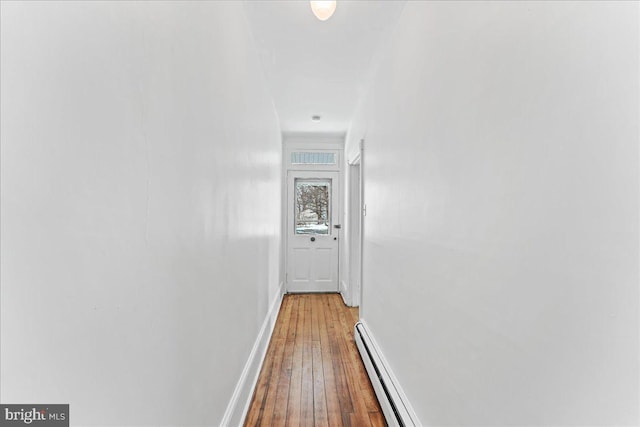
[(314, 67)]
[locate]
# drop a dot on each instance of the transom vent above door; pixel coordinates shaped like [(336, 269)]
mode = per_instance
[(313, 158)]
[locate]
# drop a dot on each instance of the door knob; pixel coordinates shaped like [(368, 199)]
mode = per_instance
[(313, 239)]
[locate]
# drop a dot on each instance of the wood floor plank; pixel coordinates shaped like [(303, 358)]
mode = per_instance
[(344, 397), (312, 374), (295, 388), (360, 387), (320, 415), (321, 418), (377, 419), (316, 307), (260, 392), (359, 415), (277, 355), (306, 396), (331, 392), (284, 380), (270, 366)]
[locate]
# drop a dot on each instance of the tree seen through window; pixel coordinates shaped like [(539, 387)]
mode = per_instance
[(312, 206)]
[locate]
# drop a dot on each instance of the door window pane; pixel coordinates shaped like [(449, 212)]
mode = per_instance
[(312, 206)]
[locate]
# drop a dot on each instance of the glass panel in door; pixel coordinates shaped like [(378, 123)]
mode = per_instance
[(312, 206)]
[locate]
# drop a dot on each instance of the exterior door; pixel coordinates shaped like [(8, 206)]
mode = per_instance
[(313, 230)]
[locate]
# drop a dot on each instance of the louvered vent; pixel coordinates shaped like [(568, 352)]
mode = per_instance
[(312, 158)]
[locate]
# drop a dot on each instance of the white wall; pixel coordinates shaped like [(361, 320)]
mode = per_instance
[(141, 161), (501, 237)]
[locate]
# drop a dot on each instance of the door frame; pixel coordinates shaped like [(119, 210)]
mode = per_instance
[(335, 219), (316, 143), (356, 223)]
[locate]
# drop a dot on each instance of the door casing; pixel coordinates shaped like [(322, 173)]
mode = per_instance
[(314, 143), (312, 262)]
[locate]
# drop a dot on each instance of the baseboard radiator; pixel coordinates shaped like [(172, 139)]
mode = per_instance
[(391, 399)]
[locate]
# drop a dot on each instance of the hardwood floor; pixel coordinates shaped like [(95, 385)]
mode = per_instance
[(313, 374)]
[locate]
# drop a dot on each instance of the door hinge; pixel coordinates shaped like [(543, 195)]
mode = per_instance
[(364, 210)]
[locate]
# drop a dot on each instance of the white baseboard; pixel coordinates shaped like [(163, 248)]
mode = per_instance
[(394, 402), (240, 401), (344, 293)]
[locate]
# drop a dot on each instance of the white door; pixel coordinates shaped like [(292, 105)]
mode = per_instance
[(313, 231)]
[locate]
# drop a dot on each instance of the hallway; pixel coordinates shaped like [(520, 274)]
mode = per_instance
[(175, 175), (312, 374)]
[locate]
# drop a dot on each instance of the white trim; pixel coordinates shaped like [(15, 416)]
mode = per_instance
[(356, 160), (315, 142), (331, 240), (363, 214), (397, 395), (344, 293), (301, 140), (289, 166), (354, 232), (244, 388)]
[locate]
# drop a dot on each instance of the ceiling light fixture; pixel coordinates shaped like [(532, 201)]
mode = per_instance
[(323, 9), (315, 118)]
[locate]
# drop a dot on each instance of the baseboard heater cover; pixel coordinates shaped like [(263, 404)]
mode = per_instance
[(396, 410)]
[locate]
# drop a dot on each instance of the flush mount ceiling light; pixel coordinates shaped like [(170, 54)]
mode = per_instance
[(315, 118), (323, 9)]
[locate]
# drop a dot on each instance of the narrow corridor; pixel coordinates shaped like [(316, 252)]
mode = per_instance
[(312, 374)]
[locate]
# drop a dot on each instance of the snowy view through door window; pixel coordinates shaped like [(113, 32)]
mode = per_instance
[(312, 206)]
